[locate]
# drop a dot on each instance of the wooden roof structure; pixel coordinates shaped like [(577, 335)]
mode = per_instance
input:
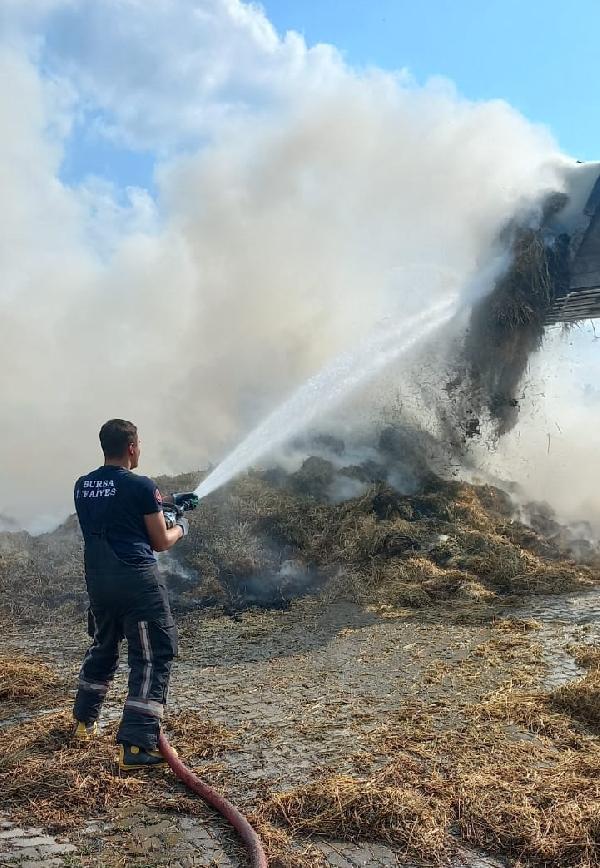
[(582, 299)]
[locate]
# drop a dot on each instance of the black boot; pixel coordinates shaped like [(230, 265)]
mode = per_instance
[(132, 757)]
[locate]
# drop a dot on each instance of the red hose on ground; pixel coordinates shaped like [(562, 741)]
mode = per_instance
[(215, 800)]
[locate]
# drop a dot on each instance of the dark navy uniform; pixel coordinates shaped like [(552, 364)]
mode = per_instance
[(128, 600)]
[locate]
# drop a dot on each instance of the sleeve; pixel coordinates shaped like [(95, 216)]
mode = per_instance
[(77, 491), (149, 497)]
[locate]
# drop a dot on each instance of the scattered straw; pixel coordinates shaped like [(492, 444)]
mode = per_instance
[(581, 698), (46, 779), (199, 738), (587, 656), (347, 808), (281, 848), (25, 678), (513, 778)]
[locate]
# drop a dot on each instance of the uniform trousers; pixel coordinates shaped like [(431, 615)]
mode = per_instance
[(129, 603)]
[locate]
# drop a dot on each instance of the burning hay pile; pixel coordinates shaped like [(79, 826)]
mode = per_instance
[(39, 574), (262, 540), (269, 537)]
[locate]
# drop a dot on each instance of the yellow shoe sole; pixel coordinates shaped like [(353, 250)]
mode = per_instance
[(133, 766), (80, 733)]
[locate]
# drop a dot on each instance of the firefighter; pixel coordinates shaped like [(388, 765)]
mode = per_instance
[(122, 521)]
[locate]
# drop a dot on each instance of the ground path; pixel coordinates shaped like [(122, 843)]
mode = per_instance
[(302, 689)]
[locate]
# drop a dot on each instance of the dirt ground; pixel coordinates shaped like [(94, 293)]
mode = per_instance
[(305, 692)]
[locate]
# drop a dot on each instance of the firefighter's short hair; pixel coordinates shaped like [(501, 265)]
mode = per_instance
[(115, 436)]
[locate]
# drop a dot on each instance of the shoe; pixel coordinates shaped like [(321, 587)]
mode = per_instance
[(133, 757), (84, 731)]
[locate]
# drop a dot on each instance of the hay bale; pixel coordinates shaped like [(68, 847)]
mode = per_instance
[(405, 594), (469, 509), (241, 553), (473, 592), (368, 472), (433, 506), (507, 326), (490, 557), (282, 850), (198, 737), (524, 537), (314, 477), (494, 501), (445, 550)]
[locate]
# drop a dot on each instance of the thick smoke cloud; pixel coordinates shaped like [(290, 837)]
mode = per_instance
[(161, 73), (311, 201), (553, 453)]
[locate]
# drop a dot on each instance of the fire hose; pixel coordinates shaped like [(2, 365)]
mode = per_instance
[(174, 507), (216, 800)]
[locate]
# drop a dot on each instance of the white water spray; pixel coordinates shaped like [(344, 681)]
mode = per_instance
[(336, 381)]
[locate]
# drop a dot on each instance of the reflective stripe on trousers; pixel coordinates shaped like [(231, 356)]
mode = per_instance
[(130, 603)]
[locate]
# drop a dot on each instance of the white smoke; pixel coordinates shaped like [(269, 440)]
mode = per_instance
[(553, 452), (298, 203)]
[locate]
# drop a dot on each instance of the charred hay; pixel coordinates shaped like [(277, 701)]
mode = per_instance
[(506, 327), (452, 540), (265, 542)]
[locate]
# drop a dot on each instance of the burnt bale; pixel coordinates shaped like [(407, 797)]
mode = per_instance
[(433, 506), (396, 543), (388, 504), (314, 477), (368, 472)]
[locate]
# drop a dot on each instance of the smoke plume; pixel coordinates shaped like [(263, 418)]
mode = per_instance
[(295, 203)]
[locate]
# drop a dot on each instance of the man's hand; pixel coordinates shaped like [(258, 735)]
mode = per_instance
[(161, 537), (184, 524)]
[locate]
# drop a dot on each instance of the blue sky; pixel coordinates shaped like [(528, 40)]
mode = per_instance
[(542, 57)]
